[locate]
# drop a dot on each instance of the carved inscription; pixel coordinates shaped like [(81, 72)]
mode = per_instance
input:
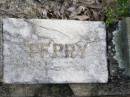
[(55, 50)]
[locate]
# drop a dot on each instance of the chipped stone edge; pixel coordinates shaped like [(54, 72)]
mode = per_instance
[(1, 49)]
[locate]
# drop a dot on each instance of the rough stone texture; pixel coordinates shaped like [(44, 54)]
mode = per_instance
[(54, 51), (40, 90), (30, 9), (1, 49), (127, 21), (121, 42), (114, 89), (34, 9), (119, 83)]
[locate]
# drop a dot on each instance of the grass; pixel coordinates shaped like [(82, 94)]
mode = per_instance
[(120, 10)]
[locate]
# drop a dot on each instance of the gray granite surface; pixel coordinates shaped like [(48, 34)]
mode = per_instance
[(54, 51)]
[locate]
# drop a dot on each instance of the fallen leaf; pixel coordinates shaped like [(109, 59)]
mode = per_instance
[(71, 9), (82, 18)]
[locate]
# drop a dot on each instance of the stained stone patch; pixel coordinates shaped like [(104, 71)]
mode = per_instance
[(121, 41), (1, 58), (54, 51)]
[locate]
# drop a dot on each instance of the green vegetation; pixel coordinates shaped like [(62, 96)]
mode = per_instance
[(120, 10)]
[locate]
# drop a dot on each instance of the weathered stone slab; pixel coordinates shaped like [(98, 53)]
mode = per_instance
[(122, 45), (1, 59), (54, 51), (127, 22)]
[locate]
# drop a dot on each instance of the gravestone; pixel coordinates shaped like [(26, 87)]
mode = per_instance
[(1, 66), (122, 45), (54, 51), (127, 26)]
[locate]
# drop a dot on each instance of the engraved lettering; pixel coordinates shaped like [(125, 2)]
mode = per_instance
[(82, 49), (56, 50), (44, 50), (69, 50)]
